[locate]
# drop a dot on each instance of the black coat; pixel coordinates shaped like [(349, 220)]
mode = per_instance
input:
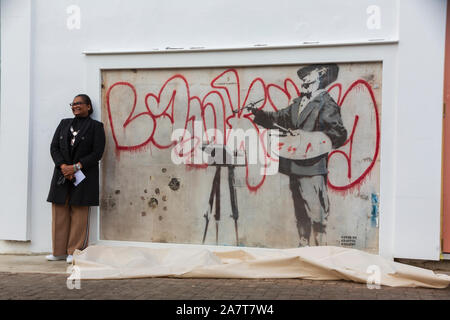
[(88, 150), (321, 114)]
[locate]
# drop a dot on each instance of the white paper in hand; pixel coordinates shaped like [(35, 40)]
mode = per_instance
[(79, 176)]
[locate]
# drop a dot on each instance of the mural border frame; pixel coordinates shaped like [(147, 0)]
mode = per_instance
[(358, 53)]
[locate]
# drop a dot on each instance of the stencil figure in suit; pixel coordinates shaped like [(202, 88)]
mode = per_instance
[(315, 115)]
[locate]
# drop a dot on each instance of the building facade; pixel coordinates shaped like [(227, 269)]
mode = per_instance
[(154, 68)]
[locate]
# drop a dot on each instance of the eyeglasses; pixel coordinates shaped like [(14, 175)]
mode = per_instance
[(72, 104), (61, 180), (307, 84)]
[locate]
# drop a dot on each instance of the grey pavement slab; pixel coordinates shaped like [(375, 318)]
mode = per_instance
[(33, 278), (31, 264)]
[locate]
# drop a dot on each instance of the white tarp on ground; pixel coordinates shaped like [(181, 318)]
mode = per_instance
[(313, 263)]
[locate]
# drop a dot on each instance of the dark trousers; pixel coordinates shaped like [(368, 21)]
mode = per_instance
[(311, 206)]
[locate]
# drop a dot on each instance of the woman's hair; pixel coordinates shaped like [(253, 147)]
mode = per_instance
[(86, 100)]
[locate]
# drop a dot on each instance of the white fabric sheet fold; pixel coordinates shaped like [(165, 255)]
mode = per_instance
[(314, 263)]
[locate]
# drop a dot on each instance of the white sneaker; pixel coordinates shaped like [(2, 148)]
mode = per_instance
[(69, 258), (51, 257)]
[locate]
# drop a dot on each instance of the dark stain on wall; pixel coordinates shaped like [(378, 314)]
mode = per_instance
[(153, 203), (174, 184), (104, 204)]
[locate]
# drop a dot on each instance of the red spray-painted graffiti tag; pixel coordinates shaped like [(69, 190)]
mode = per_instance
[(174, 103)]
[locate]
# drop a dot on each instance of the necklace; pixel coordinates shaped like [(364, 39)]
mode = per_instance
[(74, 134)]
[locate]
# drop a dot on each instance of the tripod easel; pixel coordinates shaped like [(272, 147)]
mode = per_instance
[(215, 193)]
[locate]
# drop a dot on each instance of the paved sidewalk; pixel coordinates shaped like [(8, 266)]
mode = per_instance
[(53, 286), (31, 277)]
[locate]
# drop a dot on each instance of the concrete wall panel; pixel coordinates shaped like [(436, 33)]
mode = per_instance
[(146, 197)]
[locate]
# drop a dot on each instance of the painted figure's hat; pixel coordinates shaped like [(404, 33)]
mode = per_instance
[(330, 72)]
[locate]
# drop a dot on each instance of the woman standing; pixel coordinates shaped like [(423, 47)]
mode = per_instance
[(76, 148)]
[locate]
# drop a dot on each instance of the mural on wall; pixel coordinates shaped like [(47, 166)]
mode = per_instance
[(180, 164)]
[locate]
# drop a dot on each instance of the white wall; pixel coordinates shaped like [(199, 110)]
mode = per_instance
[(15, 120), (419, 134), (60, 70)]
